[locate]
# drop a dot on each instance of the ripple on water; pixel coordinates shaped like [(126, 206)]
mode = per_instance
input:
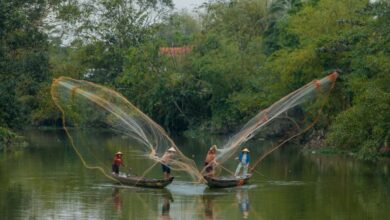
[(181, 188), (186, 188), (132, 188), (193, 189), (286, 183)]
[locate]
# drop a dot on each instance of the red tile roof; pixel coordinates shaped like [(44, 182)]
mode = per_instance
[(175, 51)]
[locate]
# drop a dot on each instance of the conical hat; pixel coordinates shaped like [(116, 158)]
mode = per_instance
[(172, 149)]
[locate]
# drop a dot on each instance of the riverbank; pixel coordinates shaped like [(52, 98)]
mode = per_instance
[(11, 140), (313, 143), (316, 143)]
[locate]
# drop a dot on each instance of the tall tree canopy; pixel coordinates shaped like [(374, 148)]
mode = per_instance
[(239, 57), (24, 68)]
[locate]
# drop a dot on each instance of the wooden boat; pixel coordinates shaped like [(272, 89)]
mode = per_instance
[(141, 181), (226, 181)]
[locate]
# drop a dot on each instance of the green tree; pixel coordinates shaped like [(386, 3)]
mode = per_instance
[(227, 56), (349, 36), (109, 29), (24, 68), (364, 125), (178, 29)]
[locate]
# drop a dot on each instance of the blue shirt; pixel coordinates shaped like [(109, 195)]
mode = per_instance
[(244, 159)]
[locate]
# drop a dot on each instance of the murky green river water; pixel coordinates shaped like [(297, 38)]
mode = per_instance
[(48, 181)]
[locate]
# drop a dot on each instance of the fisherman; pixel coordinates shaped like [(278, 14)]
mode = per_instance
[(165, 160), (118, 161), (243, 161), (210, 162)]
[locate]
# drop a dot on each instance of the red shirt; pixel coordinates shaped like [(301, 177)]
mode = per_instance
[(118, 160)]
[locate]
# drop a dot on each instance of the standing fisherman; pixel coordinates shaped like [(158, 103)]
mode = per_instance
[(243, 161), (166, 159), (117, 162), (210, 162)]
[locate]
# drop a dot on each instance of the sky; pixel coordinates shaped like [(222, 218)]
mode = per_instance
[(187, 4)]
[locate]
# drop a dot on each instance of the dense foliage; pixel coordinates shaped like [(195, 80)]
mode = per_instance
[(244, 56), (24, 61)]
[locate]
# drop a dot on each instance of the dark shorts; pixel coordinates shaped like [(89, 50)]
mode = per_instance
[(165, 168), (208, 168), (115, 168)]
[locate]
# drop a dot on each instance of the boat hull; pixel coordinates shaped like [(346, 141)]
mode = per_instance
[(224, 182), (141, 181)]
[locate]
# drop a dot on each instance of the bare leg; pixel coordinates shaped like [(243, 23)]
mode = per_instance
[(167, 175)]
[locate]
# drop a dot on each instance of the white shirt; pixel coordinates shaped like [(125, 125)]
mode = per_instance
[(243, 159)]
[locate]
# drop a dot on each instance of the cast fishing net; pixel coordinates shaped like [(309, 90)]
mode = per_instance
[(85, 106), (284, 120)]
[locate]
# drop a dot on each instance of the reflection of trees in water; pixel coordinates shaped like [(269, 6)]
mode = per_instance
[(12, 199), (330, 185), (50, 177), (352, 183)]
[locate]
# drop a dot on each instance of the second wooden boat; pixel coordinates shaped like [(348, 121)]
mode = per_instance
[(227, 181), (141, 181)]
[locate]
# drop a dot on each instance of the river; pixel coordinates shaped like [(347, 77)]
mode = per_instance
[(48, 181)]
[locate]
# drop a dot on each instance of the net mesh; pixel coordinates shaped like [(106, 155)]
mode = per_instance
[(85, 105), (284, 120)]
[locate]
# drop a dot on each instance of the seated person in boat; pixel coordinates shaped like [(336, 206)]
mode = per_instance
[(165, 160), (118, 161), (210, 162), (243, 162)]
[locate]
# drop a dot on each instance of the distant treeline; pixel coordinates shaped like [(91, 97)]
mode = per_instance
[(230, 60)]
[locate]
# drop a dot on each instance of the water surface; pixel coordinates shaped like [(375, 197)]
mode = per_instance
[(48, 181)]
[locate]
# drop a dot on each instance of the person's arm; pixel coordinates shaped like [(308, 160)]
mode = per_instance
[(153, 155), (153, 152), (164, 158)]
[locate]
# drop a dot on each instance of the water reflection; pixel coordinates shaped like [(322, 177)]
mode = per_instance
[(117, 200), (208, 201), (294, 186), (166, 205), (243, 201), (229, 203)]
